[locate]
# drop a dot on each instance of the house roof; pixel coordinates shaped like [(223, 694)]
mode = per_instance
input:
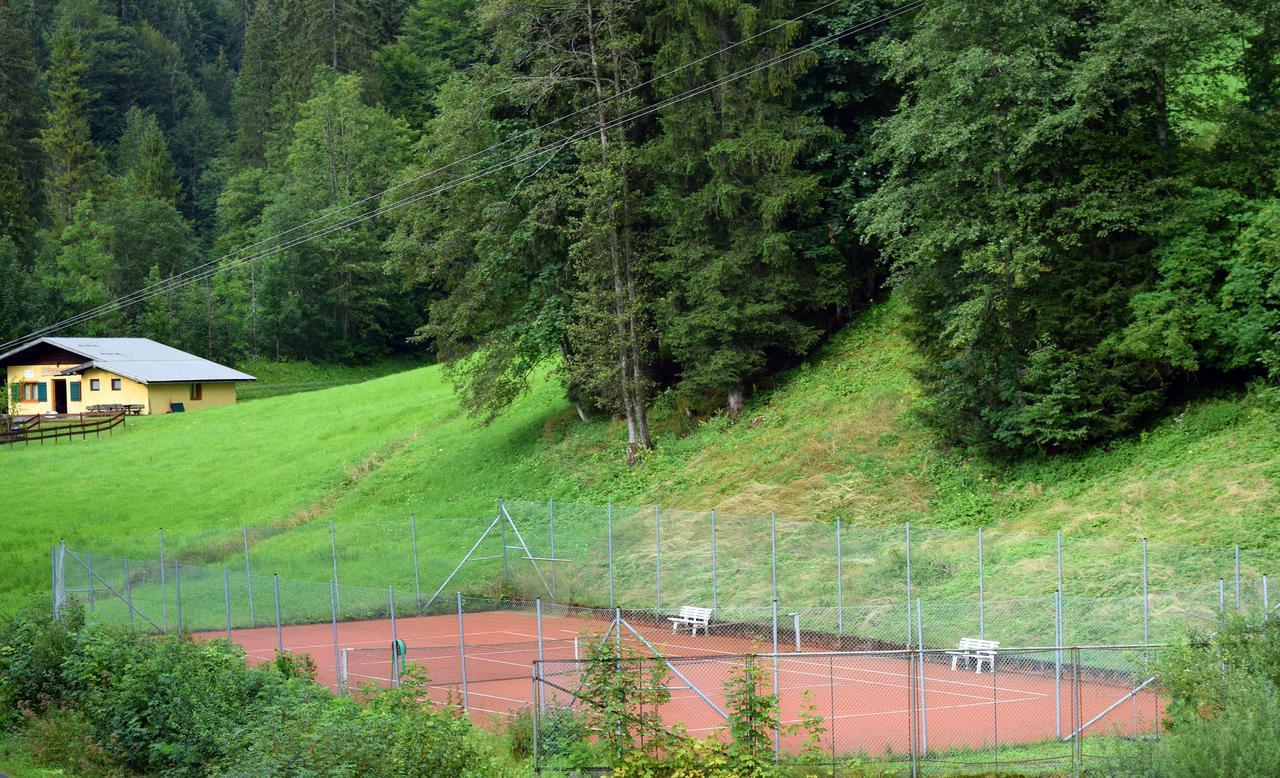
[(140, 359)]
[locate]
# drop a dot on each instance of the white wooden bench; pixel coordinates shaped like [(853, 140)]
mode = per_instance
[(693, 617), (977, 651)]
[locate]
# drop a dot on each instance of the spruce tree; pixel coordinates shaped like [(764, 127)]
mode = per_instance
[(734, 197), (75, 162), (21, 158), (144, 161), (256, 82)]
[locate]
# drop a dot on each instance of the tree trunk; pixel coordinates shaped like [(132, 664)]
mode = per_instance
[(629, 379), (737, 399)]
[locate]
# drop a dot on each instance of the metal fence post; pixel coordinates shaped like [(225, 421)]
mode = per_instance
[(551, 513), (924, 713), (1146, 602), (715, 594), (395, 641), (340, 678), (777, 730), (839, 584), (1059, 540), (1059, 629), (89, 577), (333, 554), (1237, 554), (53, 567), (609, 531), (657, 557), (417, 582), (164, 595), (795, 630), (1266, 604), (1222, 600), (537, 706), (982, 599), (773, 552), (506, 568), (128, 591), (248, 575), (908, 526), (275, 588), (462, 653), (177, 591), (537, 604), (226, 599), (1057, 662)]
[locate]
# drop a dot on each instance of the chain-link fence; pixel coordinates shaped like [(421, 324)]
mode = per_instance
[(1049, 710), (855, 583), (470, 605)]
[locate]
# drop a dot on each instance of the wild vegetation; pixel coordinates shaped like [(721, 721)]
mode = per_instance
[(838, 436), (1077, 206), (108, 702)]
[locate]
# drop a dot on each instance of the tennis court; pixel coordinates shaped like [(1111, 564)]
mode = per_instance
[(870, 702)]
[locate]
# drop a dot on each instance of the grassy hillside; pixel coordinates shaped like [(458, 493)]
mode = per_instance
[(836, 437)]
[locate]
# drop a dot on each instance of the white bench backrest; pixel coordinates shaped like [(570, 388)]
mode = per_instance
[(974, 644), (694, 613)]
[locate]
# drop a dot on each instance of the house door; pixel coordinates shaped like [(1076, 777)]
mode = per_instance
[(59, 396)]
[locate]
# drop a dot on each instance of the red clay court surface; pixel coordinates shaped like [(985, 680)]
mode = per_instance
[(865, 700)]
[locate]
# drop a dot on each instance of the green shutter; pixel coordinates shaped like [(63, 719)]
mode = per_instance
[(15, 393), (75, 391), (42, 392)]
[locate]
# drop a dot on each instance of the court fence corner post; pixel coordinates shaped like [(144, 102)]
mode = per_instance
[(275, 588), (609, 541), (537, 706), (164, 592), (417, 580), (248, 573), (777, 728), (462, 655), (537, 605), (395, 640), (657, 561), (177, 591), (226, 599), (339, 682)]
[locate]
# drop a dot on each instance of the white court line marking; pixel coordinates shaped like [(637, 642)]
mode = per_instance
[(931, 682), (895, 712), (471, 694)]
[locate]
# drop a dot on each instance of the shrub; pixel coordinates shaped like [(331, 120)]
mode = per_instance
[(32, 649), (164, 704), (64, 737), (397, 733), (1241, 740)]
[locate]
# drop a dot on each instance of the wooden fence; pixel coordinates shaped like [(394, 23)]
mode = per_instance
[(42, 427)]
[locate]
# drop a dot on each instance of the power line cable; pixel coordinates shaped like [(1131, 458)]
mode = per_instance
[(112, 305), (205, 271)]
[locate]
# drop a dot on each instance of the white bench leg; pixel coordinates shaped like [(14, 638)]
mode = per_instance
[(953, 662)]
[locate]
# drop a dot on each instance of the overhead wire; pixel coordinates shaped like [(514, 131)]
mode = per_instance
[(220, 265), (165, 284)]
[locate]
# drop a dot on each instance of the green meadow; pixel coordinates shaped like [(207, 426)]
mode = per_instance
[(837, 437)]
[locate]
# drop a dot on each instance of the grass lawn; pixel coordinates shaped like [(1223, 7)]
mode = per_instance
[(278, 378), (835, 437)]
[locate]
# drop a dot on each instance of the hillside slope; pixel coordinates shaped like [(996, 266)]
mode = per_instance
[(836, 437)]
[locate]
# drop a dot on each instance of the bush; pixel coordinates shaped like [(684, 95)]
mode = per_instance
[(64, 737), (103, 701), (396, 733), (1224, 716), (1242, 740), (32, 650)]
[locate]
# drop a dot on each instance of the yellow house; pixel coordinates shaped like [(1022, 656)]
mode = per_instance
[(75, 375)]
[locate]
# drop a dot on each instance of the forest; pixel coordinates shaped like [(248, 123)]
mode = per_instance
[(1077, 201)]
